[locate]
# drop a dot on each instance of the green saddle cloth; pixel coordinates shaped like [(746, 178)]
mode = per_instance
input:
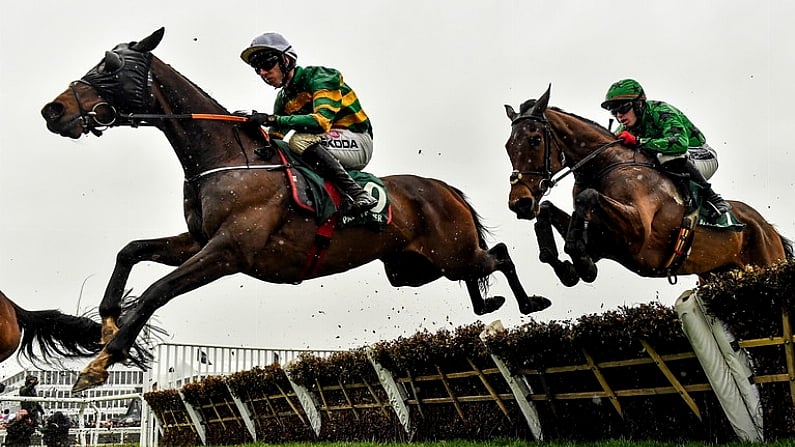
[(726, 221)]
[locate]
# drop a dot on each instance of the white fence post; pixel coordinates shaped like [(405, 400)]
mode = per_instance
[(518, 385), (727, 369), (308, 403), (397, 395)]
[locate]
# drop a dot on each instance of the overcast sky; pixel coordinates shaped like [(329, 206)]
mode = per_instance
[(433, 77)]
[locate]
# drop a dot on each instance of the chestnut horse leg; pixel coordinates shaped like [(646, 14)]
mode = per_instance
[(211, 263), (548, 216), (173, 251)]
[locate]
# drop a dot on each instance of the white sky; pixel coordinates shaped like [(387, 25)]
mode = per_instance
[(433, 76)]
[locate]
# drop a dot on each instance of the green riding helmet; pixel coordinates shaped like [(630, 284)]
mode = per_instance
[(622, 91)]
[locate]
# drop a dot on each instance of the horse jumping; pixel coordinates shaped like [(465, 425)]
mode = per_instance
[(624, 208), (239, 212)]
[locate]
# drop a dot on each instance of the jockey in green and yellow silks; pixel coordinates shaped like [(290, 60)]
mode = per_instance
[(331, 131)]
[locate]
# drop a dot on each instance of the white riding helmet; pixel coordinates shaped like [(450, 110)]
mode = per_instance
[(269, 41)]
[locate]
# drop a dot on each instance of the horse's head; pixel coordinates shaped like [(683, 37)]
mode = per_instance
[(119, 84), (530, 151)]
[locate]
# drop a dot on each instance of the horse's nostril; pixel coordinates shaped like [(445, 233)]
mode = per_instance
[(52, 111), (524, 208)]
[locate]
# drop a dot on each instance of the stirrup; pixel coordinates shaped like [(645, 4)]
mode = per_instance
[(717, 210), (364, 203)]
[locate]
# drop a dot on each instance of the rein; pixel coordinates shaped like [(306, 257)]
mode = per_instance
[(138, 119), (548, 181)]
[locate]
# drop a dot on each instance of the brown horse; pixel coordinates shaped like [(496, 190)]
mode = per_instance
[(624, 208), (239, 212), (57, 335)]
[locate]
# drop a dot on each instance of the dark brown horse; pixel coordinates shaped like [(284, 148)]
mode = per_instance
[(624, 208), (55, 334), (239, 212)]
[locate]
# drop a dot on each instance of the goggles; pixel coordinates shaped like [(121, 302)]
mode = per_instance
[(264, 61), (621, 108)]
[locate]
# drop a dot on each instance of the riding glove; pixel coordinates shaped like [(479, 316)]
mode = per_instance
[(260, 119), (627, 138), (255, 119)]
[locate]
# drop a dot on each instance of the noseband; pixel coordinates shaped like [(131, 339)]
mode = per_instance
[(90, 119)]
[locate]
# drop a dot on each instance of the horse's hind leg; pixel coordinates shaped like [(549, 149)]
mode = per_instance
[(173, 251), (548, 216), (481, 305), (527, 304)]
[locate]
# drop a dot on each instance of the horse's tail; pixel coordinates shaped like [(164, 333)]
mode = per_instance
[(483, 283), (57, 334), (789, 247), (482, 230)]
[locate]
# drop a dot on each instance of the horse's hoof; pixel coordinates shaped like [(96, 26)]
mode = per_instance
[(588, 271), (535, 303), (491, 304), (567, 274), (88, 380)]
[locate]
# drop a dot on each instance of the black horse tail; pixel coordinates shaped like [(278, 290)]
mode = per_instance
[(61, 336), (482, 230), (483, 283), (789, 248), (57, 334)]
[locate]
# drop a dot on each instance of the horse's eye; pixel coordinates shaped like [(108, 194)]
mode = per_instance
[(535, 141)]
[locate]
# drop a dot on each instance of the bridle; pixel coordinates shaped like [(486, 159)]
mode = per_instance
[(91, 123), (88, 116), (547, 181)]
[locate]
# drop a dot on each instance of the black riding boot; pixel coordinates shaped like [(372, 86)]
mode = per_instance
[(328, 167), (713, 200)]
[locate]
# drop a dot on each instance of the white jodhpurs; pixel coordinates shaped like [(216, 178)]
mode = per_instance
[(353, 150)]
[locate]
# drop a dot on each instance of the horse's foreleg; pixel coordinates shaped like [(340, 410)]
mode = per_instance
[(527, 304), (577, 234), (169, 250), (550, 216), (204, 267)]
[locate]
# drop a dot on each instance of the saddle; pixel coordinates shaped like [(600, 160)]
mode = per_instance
[(311, 193), (693, 199), (695, 214)]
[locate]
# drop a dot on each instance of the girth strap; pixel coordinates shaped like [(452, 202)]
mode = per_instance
[(323, 236)]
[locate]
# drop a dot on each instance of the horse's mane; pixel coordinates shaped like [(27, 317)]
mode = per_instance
[(193, 84), (530, 103)]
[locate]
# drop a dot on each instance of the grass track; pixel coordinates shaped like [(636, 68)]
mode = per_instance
[(513, 443)]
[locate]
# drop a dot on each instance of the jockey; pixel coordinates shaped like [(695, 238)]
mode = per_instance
[(664, 130), (331, 131)]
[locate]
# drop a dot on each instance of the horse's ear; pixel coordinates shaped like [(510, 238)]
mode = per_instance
[(112, 62), (541, 103), (510, 111), (150, 42)]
